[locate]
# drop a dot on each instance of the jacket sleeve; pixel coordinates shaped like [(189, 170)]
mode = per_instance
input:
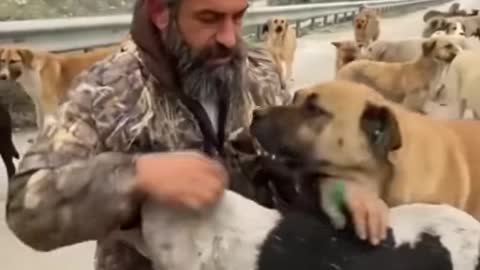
[(67, 190)]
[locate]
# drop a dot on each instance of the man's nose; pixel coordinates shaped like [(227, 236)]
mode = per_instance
[(227, 34)]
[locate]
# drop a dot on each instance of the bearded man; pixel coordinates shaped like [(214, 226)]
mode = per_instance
[(151, 120)]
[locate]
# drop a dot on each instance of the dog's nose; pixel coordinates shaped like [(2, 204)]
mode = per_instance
[(3, 77)]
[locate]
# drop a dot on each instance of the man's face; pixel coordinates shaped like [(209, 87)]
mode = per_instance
[(211, 28)]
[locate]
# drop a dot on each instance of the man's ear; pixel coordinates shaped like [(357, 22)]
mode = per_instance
[(159, 13), (381, 129)]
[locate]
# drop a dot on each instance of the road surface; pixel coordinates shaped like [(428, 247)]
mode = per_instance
[(314, 63)]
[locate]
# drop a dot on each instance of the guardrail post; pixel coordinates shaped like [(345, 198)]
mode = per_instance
[(325, 20), (298, 25), (259, 31), (312, 23), (335, 18)]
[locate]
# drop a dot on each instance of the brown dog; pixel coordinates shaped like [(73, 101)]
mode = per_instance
[(410, 83), (346, 52), (346, 131), (281, 41), (46, 76), (366, 26), (453, 11), (8, 151)]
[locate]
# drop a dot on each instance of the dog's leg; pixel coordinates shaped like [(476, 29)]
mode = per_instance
[(7, 160), (416, 101)]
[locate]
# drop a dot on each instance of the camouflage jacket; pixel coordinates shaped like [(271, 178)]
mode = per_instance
[(74, 184)]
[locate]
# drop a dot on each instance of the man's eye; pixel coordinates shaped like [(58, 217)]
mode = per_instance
[(209, 19)]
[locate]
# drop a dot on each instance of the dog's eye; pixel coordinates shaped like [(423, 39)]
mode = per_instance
[(312, 107)]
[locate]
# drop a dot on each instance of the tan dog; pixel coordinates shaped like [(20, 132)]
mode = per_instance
[(463, 79), (366, 26), (348, 132), (281, 41), (410, 83), (410, 49), (45, 76), (346, 52)]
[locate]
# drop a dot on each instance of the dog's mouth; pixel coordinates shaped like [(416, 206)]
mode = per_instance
[(293, 160), (348, 59), (449, 59)]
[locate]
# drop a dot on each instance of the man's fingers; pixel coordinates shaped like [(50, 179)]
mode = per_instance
[(359, 218), (385, 221)]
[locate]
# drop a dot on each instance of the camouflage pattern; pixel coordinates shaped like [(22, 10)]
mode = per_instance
[(75, 183)]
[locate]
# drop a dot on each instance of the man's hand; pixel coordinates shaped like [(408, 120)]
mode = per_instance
[(185, 179), (369, 212)]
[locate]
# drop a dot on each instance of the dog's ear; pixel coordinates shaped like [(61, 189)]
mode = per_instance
[(26, 55), (428, 46), (381, 129), (337, 44)]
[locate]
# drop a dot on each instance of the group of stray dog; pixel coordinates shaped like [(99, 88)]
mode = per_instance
[(434, 74), (374, 125), (45, 77)]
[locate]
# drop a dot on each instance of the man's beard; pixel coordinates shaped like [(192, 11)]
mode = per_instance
[(200, 80)]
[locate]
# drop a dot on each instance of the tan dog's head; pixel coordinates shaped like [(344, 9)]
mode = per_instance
[(440, 49), (361, 21), (13, 62), (342, 129), (347, 51), (278, 26)]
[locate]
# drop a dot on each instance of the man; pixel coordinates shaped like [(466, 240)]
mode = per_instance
[(184, 85)]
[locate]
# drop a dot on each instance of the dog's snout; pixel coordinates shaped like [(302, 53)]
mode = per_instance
[(3, 77), (279, 29)]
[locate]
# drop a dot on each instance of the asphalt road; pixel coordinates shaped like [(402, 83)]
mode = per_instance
[(314, 63)]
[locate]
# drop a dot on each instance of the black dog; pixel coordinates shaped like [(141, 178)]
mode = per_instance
[(7, 148)]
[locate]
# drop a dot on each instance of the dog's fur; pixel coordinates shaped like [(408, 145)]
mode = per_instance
[(46, 76), (410, 83), (346, 51), (8, 151), (351, 132), (281, 41), (366, 26), (463, 79)]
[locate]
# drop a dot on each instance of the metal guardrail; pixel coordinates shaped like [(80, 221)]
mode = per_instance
[(89, 32)]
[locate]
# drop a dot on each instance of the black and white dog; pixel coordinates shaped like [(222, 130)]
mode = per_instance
[(239, 234)]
